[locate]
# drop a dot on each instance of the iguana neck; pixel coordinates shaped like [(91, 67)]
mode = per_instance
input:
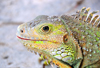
[(87, 36)]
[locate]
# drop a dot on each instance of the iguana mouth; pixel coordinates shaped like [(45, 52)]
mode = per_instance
[(30, 39), (37, 40)]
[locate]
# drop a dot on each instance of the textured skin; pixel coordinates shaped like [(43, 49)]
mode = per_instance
[(67, 41)]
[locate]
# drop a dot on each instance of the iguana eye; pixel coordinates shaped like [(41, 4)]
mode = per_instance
[(45, 28)]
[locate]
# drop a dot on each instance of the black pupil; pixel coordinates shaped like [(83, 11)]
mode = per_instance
[(46, 28)]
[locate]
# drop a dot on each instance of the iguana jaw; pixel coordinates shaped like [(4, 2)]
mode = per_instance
[(42, 52), (47, 54)]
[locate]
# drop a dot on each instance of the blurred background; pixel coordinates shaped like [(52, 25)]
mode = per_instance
[(14, 12)]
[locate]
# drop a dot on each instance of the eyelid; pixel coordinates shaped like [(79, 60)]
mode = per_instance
[(39, 28), (45, 32)]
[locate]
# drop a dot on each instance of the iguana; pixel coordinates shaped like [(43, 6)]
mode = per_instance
[(67, 41)]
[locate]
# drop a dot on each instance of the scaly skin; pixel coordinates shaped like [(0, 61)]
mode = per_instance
[(65, 41)]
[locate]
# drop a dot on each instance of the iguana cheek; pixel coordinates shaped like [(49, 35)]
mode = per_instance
[(44, 45)]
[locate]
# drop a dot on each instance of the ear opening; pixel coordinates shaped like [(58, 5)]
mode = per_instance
[(65, 38)]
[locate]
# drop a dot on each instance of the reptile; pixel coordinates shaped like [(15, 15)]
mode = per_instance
[(66, 41)]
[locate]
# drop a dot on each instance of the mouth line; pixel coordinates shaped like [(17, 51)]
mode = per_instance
[(37, 40), (29, 39)]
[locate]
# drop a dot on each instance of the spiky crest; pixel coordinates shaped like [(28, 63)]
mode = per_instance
[(83, 16)]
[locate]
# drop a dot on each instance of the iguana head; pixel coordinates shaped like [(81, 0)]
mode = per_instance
[(48, 36)]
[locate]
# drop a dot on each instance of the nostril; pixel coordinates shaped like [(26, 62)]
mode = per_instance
[(21, 31)]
